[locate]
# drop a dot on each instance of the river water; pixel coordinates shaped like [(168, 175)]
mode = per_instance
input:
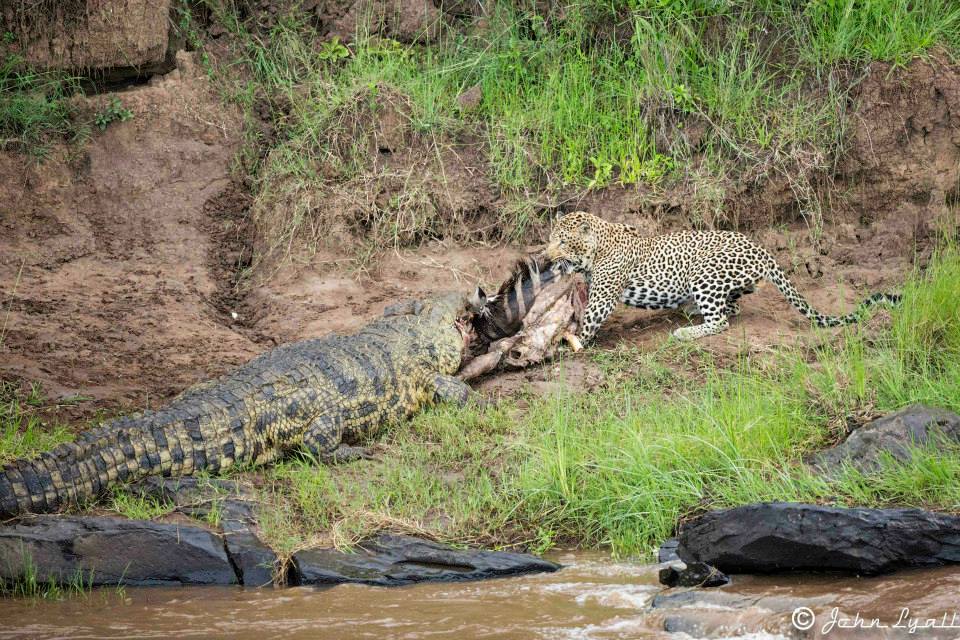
[(592, 597)]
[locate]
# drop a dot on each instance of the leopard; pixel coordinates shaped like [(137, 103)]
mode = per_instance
[(703, 272)]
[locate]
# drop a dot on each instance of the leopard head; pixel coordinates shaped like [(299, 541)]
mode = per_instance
[(573, 242)]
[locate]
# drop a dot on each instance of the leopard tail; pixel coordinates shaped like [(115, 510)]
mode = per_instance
[(777, 276)]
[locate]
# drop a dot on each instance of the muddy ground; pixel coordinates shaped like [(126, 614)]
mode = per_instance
[(118, 262)]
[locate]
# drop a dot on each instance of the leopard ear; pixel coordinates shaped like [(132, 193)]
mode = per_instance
[(585, 227)]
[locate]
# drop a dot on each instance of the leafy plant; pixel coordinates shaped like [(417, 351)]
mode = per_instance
[(113, 111), (333, 50)]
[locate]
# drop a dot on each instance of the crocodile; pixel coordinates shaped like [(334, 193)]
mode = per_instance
[(319, 395)]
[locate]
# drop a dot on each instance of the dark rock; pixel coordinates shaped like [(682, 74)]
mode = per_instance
[(895, 433), (771, 537), (668, 551), (721, 613), (695, 574), (111, 551), (389, 560), (187, 493), (255, 562), (698, 599), (687, 624)]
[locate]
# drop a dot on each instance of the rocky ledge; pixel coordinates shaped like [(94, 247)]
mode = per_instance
[(892, 435), (391, 560), (98, 550), (777, 536)]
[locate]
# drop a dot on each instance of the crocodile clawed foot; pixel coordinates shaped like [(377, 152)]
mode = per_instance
[(346, 453)]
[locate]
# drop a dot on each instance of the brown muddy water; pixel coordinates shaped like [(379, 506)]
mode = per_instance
[(592, 597)]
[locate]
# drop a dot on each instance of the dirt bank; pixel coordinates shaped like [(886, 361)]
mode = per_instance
[(117, 267), (105, 259), (109, 40)]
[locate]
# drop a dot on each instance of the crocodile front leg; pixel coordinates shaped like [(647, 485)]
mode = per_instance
[(451, 389), (323, 439)]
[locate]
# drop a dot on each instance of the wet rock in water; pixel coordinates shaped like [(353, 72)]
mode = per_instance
[(668, 551), (721, 613), (772, 537), (111, 551), (254, 561), (391, 560), (695, 574), (912, 426)]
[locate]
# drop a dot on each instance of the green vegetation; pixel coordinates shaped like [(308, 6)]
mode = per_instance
[(671, 434), (34, 111), (137, 506), (894, 30), (35, 107), (23, 432), (603, 92), (31, 585), (113, 111)]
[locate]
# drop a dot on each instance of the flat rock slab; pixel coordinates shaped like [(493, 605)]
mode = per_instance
[(255, 562), (392, 560), (916, 425), (718, 613), (777, 536), (112, 551)]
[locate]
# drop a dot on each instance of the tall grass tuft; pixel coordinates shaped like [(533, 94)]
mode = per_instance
[(22, 430), (34, 111)]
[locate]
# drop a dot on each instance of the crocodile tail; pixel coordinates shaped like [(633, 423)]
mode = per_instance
[(777, 276), (42, 484), (76, 472)]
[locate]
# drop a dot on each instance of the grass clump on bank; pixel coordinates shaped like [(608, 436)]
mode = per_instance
[(23, 432), (601, 93), (30, 584), (34, 111), (669, 437)]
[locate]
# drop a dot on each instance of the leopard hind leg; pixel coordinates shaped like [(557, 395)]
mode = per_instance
[(733, 307), (713, 307)]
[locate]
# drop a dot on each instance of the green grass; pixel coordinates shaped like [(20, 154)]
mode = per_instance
[(23, 430), (670, 434), (30, 584), (891, 30), (136, 506), (565, 104), (599, 95), (34, 110)]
